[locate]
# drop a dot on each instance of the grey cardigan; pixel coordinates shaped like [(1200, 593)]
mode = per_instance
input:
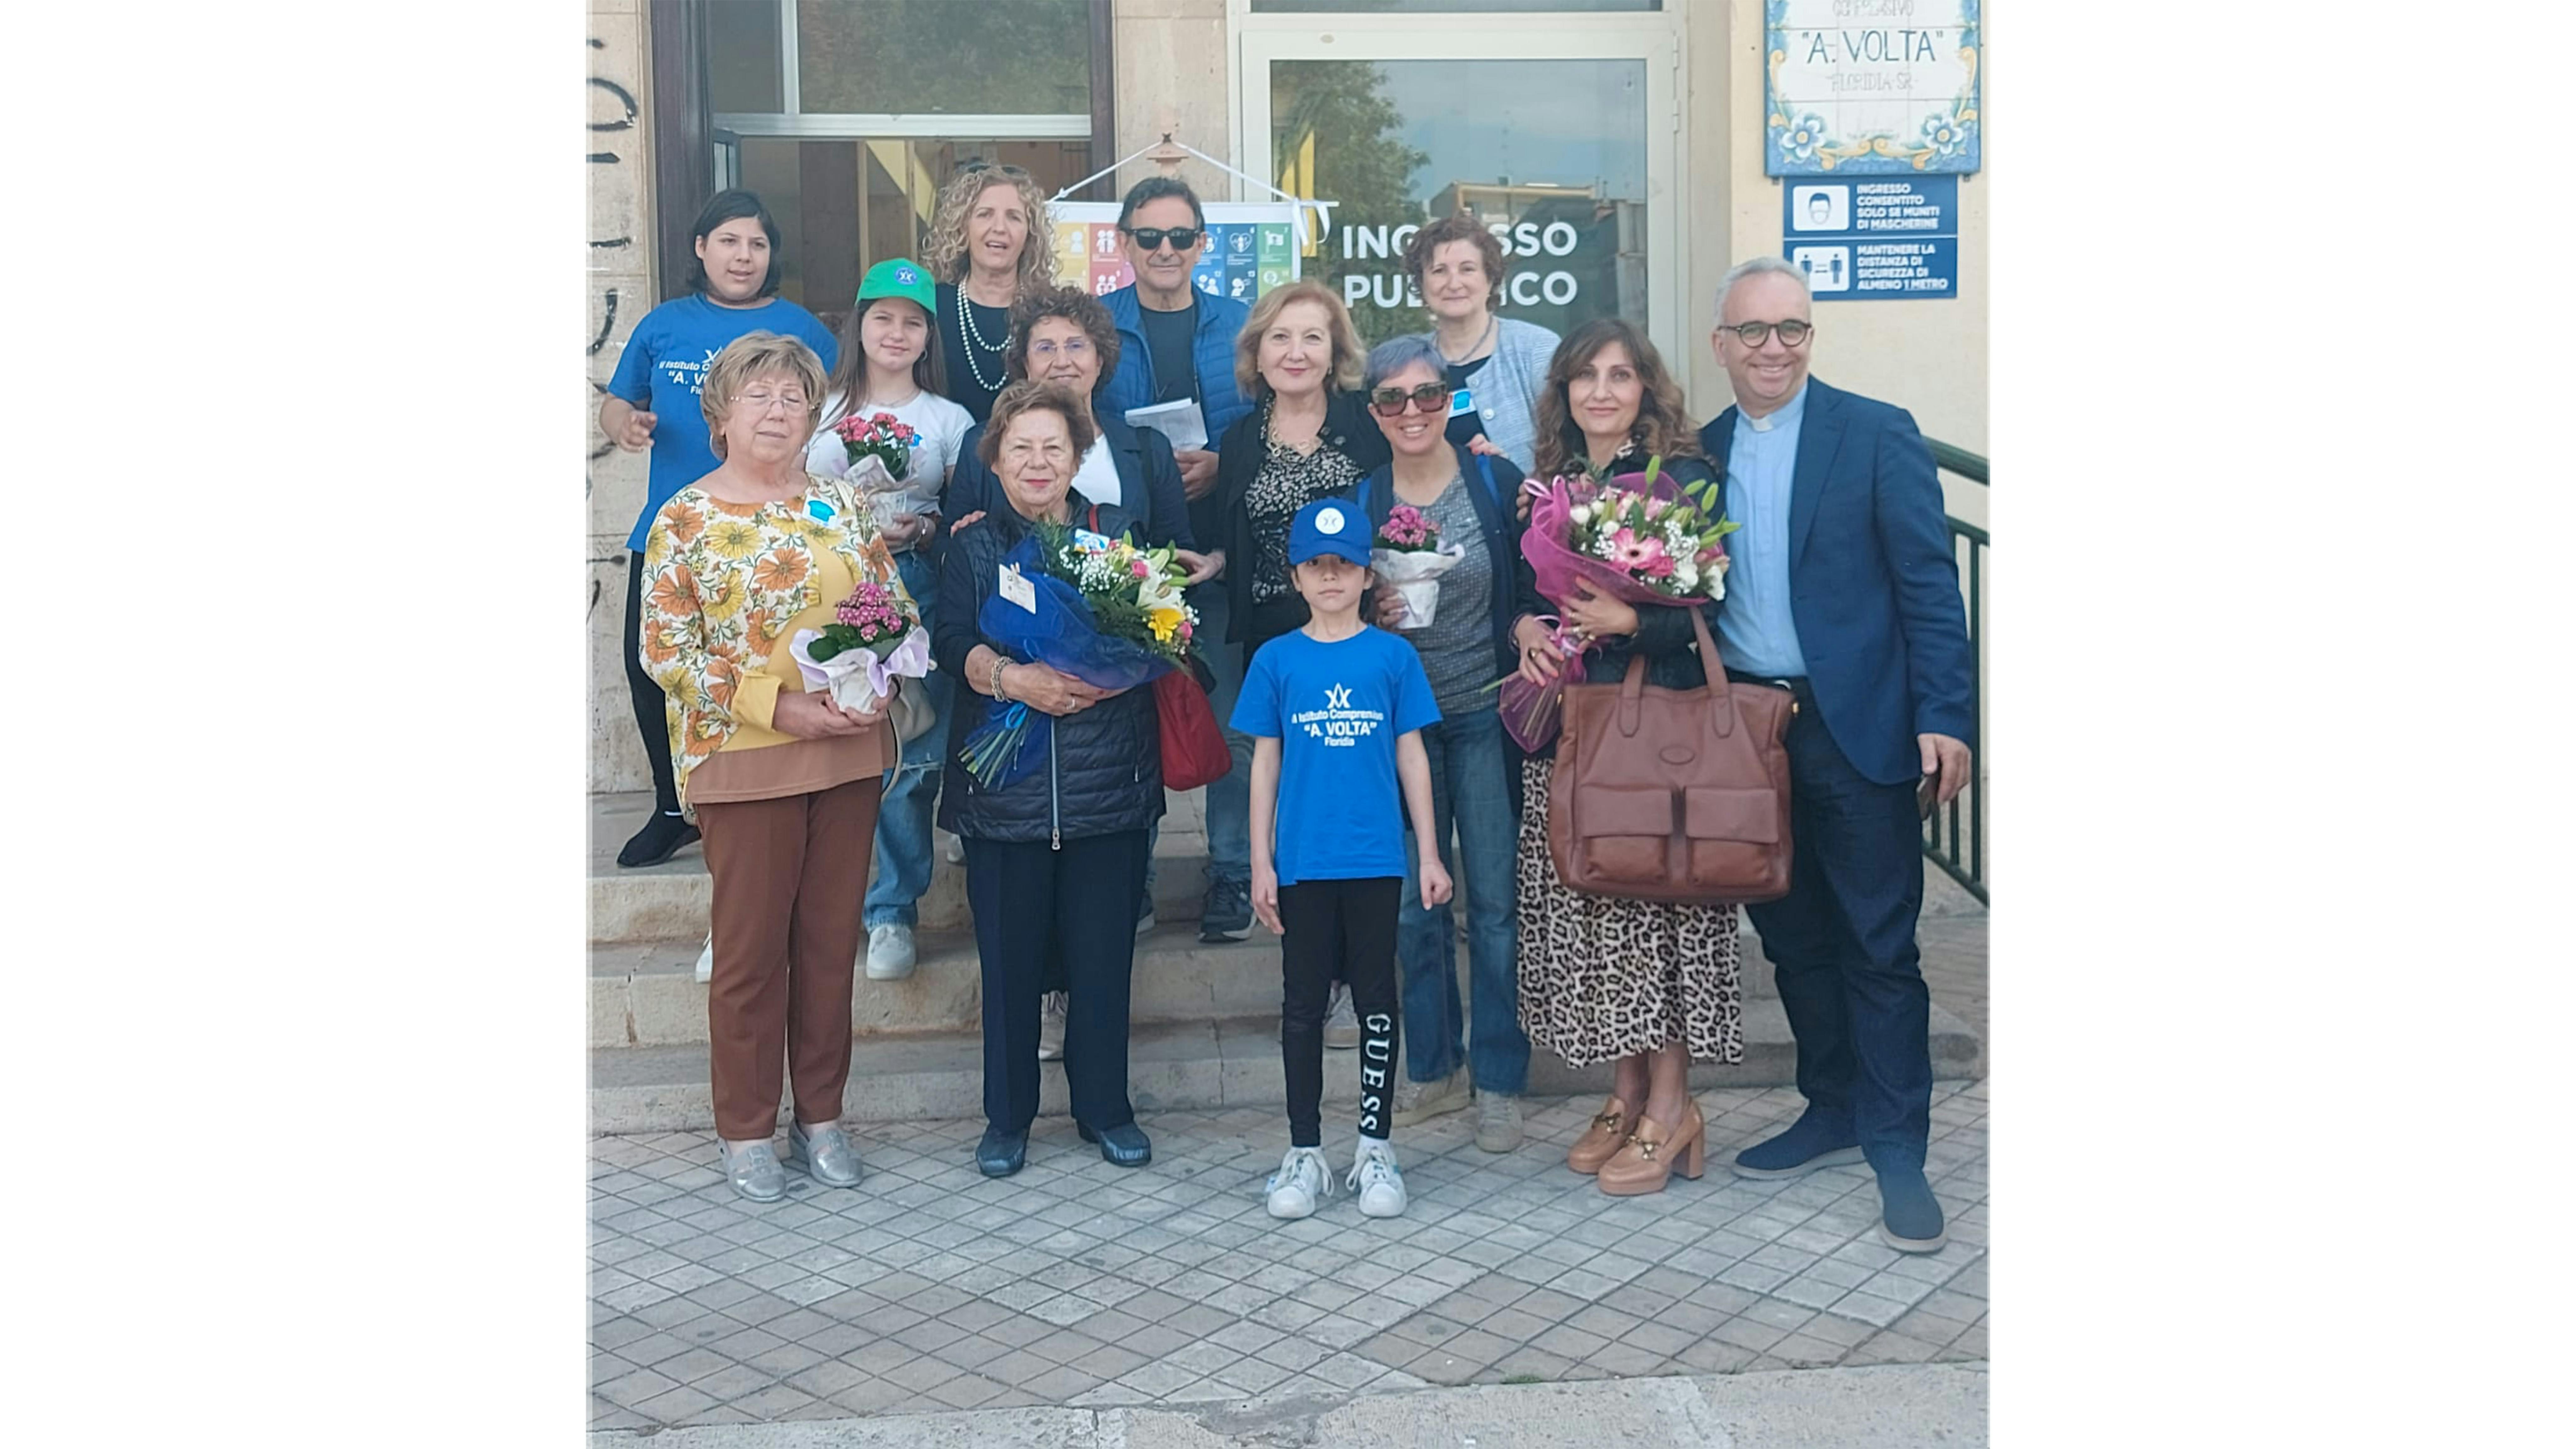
[(1507, 387)]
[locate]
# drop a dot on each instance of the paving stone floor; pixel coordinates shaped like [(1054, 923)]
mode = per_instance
[(929, 1287)]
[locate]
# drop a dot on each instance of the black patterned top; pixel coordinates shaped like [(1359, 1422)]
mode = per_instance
[(1288, 481)]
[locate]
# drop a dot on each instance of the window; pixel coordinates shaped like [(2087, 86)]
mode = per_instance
[(1441, 7)]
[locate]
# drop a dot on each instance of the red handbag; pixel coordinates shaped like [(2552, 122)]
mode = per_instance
[(1194, 751)]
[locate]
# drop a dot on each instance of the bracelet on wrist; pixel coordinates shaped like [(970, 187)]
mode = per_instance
[(993, 682)]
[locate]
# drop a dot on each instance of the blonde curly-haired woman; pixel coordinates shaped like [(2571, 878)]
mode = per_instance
[(990, 245), (783, 783)]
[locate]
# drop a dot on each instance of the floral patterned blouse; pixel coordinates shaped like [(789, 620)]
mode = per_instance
[(1287, 481), (723, 584)]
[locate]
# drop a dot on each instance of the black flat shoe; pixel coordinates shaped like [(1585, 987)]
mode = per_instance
[(1002, 1153), (659, 840), (1122, 1146)]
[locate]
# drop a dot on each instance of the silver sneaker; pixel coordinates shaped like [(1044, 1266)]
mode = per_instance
[(1498, 1122), (1375, 1177), (825, 1154), (754, 1171), (1341, 1021), (1418, 1102), (1051, 1027), (1303, 1180), (890, 953)]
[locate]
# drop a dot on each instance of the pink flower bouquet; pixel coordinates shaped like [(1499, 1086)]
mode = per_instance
[(875, 637), (1408, 558)]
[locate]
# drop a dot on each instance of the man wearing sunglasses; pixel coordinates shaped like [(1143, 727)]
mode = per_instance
[(1176, 342), (1843, 590)]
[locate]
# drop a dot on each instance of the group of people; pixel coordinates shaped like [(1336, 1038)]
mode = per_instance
[(1369, 767)]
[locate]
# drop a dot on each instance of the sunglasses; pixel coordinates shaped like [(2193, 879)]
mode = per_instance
[(1151, 238), (1431, 397)]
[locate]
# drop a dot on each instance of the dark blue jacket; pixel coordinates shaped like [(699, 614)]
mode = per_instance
[(1873, 581), (1133, 385), (1149, 482), (1105, 773)]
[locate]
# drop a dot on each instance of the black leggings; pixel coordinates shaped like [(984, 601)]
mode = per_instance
[(650, 721), (1345, 929)]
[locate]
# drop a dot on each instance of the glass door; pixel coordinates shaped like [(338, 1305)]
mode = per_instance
[(1560, 132)]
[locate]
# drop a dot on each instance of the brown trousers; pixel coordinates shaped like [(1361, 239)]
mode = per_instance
[(790, 876)]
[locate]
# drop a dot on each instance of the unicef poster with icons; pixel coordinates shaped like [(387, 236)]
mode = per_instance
[(1871, 87), (1251, 247)]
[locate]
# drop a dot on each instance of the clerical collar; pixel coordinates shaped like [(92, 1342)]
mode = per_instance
[(1787, 412)]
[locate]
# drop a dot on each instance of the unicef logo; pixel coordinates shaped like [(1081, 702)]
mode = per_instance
[(1329, 521)]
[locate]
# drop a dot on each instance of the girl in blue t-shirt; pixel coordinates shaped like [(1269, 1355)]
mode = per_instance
[(652, 403), (1336, 710)]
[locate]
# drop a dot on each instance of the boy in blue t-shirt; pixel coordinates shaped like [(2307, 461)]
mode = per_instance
[(1336, 711)]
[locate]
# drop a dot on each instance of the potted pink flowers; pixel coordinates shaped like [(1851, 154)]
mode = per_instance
[(875, 635)]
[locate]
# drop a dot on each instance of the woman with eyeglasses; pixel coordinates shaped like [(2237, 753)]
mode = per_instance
[(1499, 363), (652, 403), (1643, 984), (1470, 497), (990, 245)]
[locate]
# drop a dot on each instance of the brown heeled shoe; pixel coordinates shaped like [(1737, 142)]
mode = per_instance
[(1602, 1140), (1651, 1156)]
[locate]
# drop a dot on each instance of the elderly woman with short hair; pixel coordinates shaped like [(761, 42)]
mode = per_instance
[(784, 783), (1500, 362), (1052, 859)]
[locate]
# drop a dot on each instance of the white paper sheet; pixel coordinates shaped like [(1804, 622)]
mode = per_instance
[(1181, 422)]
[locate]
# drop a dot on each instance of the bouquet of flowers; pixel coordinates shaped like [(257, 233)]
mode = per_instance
[(1100, 609), (880, 463), (1639, 538), (1407, 555), (876, 635)]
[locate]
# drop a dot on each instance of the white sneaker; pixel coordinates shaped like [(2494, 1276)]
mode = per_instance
[(706, 971), (890, 954), (952, 848), (1341, 1021), (1375, 1177), (1051, 1026), (1303, 1180)]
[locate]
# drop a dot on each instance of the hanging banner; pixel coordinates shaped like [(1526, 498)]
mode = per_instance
[(1251, 247)]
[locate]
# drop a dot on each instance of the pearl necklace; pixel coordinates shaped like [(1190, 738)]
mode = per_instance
[(975, 342)]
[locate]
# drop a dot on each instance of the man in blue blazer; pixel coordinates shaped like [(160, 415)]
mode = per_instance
[(1843, 589), (1176, 341)]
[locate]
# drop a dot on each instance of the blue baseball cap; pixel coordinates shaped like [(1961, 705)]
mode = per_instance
[(1328, 525)]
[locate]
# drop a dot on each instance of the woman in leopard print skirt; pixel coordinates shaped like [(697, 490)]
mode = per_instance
[(1605, 978)]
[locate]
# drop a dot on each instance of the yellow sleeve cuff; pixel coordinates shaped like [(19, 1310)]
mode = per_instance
[(755, 700)]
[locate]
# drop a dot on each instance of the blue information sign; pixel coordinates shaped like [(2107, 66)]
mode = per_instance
[(1874, 238)]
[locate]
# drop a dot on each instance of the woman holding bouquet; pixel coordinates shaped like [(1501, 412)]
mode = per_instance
[(783, 783), (891, 365), (1606, 978), (1468, 498), (1054, 858)]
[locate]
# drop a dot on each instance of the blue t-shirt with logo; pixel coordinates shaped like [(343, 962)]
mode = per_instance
[(1336, 710), (660, 371)]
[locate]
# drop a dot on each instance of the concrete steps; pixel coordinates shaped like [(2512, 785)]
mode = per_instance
[(1171, 1066), (1206, 1018)]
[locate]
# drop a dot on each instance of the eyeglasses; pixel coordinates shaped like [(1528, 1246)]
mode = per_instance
[(1753, 334), (761, 402), (1071, 347), (1150, 238), (1388, 402)]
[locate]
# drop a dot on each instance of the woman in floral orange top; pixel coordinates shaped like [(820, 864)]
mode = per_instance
[(783, 783)]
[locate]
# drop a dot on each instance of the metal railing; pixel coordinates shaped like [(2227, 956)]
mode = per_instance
[(1954, 838)]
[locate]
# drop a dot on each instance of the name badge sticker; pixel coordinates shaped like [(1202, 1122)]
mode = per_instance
[(1019, 590), (1463, 403), (818, 510)]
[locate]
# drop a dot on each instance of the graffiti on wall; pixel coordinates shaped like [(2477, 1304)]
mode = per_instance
[(612, 134)]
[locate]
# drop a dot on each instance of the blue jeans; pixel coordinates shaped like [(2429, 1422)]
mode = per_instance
[(1229, 801), (1470, 794), (911, 789)]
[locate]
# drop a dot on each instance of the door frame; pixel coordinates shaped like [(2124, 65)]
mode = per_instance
[(1653, 38)]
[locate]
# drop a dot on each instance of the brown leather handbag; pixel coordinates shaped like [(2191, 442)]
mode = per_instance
[(1678, 795)]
